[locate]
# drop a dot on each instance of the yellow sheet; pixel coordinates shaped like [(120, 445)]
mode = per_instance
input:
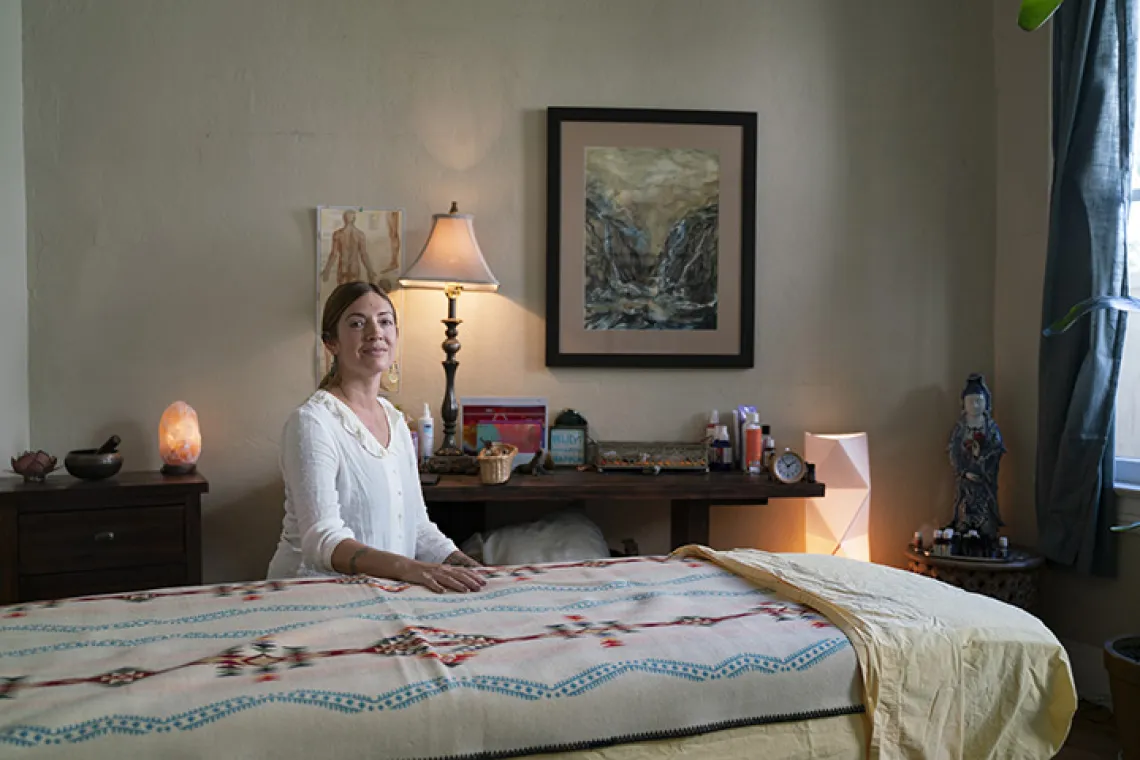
[(947, 673)]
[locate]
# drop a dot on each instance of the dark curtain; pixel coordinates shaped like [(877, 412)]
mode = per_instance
[(1094, 53)]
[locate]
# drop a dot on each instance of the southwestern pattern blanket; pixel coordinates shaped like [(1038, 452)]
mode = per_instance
[(558, 656)]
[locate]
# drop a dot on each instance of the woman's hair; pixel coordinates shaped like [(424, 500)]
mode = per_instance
[(338, 302)]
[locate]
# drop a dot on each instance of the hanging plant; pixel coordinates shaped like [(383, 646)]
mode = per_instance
[(1034, 13)]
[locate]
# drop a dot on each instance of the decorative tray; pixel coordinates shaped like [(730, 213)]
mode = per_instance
[(633, 455)]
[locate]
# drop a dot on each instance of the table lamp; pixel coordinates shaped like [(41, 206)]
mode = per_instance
[(179, 439), (838, 523), (451, 261)]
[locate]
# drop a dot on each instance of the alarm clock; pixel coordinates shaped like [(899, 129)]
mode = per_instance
[(788, 467)]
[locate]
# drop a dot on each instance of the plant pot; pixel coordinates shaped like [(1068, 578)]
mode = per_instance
[(1122, 659)]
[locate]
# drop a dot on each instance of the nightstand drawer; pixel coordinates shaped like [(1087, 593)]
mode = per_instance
[(94, 539)]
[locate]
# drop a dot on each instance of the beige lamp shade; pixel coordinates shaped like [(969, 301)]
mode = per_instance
[(451, 257), (837, 523)]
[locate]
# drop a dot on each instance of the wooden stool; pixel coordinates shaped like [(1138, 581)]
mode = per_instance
[(1013, 581)]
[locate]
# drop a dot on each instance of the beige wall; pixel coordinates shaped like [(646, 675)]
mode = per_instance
[(1082, 611), (13, 240), (176, 152)]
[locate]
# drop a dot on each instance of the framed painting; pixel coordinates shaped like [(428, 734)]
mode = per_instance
[(651, 234)]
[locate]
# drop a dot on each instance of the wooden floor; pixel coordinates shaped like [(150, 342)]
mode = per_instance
[(1093, 736)]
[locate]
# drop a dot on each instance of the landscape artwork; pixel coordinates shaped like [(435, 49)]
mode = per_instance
[(651, 242), (650, 238), (355, 243)]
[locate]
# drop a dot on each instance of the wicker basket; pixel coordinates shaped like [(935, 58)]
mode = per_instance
[(495, 463)]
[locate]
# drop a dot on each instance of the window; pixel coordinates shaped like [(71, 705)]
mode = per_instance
[(1128, 392)]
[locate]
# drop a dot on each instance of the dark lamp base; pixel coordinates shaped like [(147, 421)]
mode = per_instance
[(178, 469)]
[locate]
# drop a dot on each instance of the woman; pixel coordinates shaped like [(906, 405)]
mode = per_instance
[(352, 493)]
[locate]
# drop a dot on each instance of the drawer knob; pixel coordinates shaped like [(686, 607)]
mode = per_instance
[(105, 535)]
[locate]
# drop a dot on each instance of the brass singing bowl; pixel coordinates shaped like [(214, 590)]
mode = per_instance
[(88, 464)]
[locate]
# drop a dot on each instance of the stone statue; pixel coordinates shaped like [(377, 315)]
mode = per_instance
[(976, 449)]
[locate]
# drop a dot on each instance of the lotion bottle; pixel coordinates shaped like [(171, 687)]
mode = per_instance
[(426, 434), (753, 445)]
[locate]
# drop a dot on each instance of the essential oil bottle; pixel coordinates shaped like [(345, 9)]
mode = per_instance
[(769, 446)]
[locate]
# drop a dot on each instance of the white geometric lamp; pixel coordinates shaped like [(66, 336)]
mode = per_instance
[(838, 522)]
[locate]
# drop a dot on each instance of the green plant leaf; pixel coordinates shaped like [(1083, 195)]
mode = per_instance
[(1096, 303), (1034, 13)]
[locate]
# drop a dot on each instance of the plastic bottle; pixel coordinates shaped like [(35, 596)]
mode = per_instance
[(753, 444), (711, 426), (426, 434), (720, 451)]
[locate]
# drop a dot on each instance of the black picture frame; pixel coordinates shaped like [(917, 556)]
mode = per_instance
[(731, 344)]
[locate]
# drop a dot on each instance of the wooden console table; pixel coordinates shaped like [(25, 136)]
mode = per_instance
[(457, 503)]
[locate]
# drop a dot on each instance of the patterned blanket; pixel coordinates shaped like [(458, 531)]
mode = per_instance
[(558, 656)]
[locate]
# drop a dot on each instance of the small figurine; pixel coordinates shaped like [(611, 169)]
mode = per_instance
[(536, 466), (976, 449)]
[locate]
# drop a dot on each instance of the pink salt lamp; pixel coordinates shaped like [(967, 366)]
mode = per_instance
[(179, 440)]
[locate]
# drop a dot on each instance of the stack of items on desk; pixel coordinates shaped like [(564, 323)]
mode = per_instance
[(750, 447)]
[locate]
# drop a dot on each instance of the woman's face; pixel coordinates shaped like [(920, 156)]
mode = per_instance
[(366, 335)]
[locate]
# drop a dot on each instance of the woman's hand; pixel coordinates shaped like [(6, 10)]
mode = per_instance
[(442, 577), (459, 558), (354, 558)]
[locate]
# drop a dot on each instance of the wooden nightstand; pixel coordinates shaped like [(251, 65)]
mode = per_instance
[(67, 537)]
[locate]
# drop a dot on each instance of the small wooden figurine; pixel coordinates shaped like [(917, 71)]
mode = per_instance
[(536, 466)]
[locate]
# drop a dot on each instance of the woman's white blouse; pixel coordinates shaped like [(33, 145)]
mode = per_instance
[(341, 483)]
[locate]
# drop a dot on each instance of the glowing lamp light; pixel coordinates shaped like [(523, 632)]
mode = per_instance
[(179, 439)]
